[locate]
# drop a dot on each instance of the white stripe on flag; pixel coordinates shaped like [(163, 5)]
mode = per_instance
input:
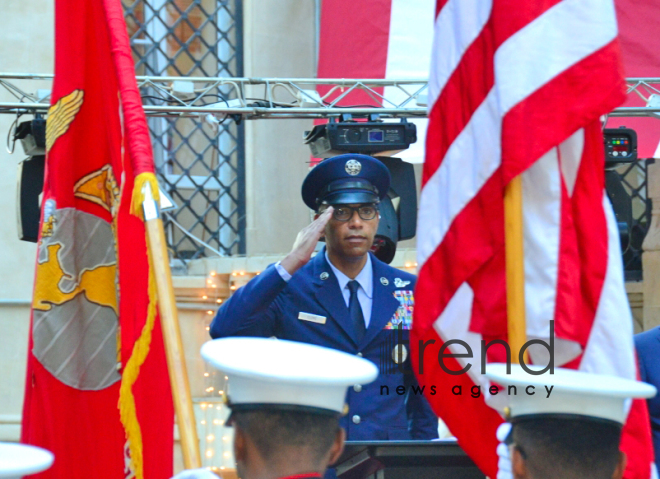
[(562, 36), (458, 24), (456, 182), (542, 223), (570, 156), (453, 324), (610, 349)]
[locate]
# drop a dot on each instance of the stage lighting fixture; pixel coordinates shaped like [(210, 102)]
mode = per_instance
[(32, 135), (368, 137), (620, 145)]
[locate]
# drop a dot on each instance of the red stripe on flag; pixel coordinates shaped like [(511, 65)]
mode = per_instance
[(475, 416), (576, 313), (477, 232), (588, 87)]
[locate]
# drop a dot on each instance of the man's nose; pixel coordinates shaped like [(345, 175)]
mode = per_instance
[(355, 220)]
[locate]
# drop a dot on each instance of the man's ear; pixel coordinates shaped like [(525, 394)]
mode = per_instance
[(240, 446), (518, 466), (337, 446), (621, 466)]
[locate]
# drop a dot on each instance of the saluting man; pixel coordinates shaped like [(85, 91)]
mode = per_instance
[(343, 298)]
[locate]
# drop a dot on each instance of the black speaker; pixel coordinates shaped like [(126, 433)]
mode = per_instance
[(30, 185), (398, 210)]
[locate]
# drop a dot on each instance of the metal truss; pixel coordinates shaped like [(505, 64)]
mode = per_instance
[(251, 98), (276, 98)]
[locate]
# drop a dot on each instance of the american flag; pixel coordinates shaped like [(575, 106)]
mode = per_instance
[(517, 88)]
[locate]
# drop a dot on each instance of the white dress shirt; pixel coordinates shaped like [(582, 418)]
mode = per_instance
[(365, 292)]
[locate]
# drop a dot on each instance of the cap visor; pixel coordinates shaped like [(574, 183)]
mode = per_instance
[(350, 198)]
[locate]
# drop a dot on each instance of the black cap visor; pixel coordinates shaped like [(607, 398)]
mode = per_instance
[(350, 197), (347, 192)]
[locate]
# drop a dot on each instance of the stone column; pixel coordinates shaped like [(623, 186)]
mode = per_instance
[(651, 255)]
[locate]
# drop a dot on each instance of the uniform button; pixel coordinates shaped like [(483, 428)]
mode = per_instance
[(357, 388), (356, 419), (359, 354)]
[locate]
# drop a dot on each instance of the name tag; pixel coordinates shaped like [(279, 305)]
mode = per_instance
[(314, 318)]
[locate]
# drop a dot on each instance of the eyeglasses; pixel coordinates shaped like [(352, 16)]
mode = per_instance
[(345, 213)]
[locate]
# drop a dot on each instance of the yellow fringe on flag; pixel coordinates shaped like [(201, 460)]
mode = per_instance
[(127, 408), (138, 194)]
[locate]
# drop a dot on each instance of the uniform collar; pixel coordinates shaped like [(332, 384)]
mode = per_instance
[(364, 278)]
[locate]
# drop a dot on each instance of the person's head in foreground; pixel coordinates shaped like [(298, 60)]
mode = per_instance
[(286, 399), (575, 432), (18, 460)]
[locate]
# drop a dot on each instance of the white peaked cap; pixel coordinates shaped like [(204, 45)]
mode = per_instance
[(574, 392), (287, 373), (18, 460)]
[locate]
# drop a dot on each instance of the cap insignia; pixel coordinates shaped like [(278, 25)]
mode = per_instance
[(353, 167)]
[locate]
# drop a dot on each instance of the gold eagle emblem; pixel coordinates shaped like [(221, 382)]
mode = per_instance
[(61, 114), (99, 187)]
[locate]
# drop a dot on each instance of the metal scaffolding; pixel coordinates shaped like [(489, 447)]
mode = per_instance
[(276, 98)]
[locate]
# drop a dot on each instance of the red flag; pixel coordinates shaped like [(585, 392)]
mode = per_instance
[(517, 88), (97, 390)]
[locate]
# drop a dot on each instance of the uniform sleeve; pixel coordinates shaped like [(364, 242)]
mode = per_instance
[(253, 310), (639, 349), (422, 421)]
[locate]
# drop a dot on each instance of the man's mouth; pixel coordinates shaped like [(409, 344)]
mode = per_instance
[(355, 239)]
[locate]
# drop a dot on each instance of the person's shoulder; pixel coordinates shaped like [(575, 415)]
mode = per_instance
[(305, 273), (403, 276), (650, 338)]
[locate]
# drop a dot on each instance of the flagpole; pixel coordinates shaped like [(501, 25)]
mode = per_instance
[(515, 266), (171, 333)]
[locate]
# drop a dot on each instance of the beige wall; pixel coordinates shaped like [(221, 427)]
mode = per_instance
[(280, 43), (26, 45)]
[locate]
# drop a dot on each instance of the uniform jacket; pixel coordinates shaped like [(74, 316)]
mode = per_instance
[(269, 306), (648, 352)]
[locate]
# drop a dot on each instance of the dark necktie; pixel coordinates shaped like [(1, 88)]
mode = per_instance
[(355, 311)]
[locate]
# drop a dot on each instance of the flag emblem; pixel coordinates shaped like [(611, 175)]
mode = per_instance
[(61, 114)]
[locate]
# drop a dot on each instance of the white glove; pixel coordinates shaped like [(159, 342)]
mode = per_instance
[(504, 462), (202, 473)]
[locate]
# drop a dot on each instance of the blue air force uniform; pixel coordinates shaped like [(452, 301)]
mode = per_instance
[(310, 307)]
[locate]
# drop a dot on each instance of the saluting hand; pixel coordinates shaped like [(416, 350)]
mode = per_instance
[(305, 243)]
